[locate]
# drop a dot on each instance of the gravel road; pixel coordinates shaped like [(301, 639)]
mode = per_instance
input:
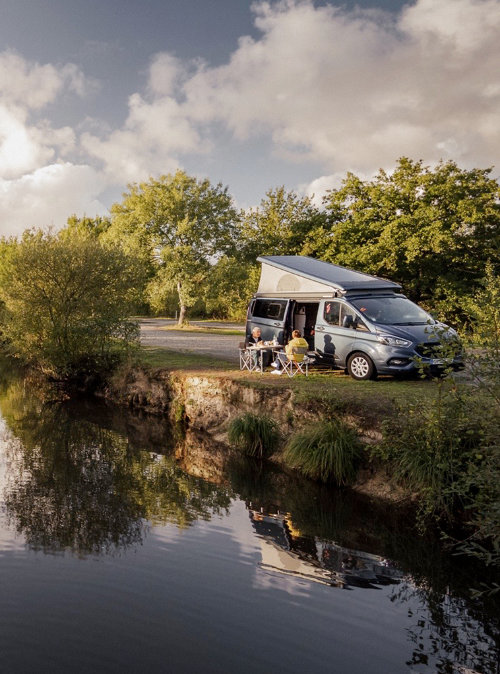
[(224, 347)]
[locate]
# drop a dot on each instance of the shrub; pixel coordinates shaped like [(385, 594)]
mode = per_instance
[(255, 435), (330, 452), (67, 299), (433, 447)]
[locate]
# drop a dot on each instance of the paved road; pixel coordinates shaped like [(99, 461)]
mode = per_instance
[(219, 346)]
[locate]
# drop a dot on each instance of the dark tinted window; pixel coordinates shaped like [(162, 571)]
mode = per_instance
[(274, 309), (395, 310)]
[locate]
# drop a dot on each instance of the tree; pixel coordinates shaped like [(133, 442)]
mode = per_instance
[(279, 225), (230, 288), (184, 224), (94, 226), (430, 230), (67, 301)]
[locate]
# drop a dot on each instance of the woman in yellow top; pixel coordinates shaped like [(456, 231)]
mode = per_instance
[(282, 357)]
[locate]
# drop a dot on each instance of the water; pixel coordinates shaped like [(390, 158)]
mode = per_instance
[(124, 550)]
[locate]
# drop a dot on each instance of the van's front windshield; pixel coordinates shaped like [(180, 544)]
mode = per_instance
[(395, 310)]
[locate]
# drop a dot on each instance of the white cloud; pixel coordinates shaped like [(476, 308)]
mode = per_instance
[(28, 142), (157, 131), (37, 186), (460, 26), (32, 85), (359, 89), (48, 196), (348, 89)]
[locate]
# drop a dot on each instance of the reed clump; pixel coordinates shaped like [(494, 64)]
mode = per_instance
[(330, 452), (254, 435)]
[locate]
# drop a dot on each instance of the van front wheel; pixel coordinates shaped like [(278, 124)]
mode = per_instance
[(360, 366)]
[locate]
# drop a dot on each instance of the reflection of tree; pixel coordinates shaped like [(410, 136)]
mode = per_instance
[(449, 635), (75, 485)]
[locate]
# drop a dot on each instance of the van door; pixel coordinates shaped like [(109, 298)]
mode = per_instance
[(334, 330), (271, 316)]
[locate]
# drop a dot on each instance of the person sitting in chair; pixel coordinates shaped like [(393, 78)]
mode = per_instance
[(287, 354), (255, 339)]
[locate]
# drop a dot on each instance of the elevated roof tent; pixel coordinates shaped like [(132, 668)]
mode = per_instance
[(301, 276)]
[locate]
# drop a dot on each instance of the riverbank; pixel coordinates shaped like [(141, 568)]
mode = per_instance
[(205, 395), (426, 444)]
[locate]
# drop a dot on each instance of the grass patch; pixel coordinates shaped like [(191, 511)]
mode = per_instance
[(326, 392), (204, 330), (159, 357), (255, 435), (334, 392), (330, 452)]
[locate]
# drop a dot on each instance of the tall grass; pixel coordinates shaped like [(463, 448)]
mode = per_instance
[(438, 451), (330, 452), (255, 435)]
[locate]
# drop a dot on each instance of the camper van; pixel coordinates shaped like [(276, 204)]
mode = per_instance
[(354, 321)]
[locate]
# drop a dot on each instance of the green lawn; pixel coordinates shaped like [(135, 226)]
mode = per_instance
[(159, 357), (329, 390), (204, 330)]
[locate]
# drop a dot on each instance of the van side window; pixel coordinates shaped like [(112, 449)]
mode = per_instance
[(337, 313), (274, 309), (332, 312), (350, 319)]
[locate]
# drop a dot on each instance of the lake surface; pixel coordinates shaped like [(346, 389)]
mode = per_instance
[(124, 549)]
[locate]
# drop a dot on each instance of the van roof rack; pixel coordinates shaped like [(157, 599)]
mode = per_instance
[(301, 274)]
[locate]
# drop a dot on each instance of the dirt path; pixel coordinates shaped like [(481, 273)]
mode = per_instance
[(224, 347)]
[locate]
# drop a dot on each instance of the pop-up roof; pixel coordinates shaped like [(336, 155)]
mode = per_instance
[(300, 275)]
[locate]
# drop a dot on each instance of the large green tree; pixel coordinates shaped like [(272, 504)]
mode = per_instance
[(279, 225), (432, 230), (183, 224), (67, 298)]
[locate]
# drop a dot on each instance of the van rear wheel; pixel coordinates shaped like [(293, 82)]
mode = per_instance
[(360, 366)]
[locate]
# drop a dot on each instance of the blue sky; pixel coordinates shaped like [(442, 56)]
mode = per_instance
[(97, 94)]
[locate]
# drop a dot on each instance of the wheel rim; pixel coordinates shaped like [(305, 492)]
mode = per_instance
[(360, 366)]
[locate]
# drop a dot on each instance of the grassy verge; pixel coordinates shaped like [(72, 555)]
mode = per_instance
[(204, 330), (158, 357), (327, 391)]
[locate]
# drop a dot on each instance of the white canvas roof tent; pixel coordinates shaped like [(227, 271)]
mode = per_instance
[(299, 276)]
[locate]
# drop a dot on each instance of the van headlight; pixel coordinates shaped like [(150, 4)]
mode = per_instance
[(391, 340)]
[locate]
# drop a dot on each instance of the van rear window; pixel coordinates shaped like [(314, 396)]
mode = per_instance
[(274, 309)]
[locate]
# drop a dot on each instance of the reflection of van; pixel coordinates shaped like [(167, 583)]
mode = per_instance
[(350, 320)]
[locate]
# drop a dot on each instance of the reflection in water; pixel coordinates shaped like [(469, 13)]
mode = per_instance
[(284, 550), (88, 479), (74, 485)]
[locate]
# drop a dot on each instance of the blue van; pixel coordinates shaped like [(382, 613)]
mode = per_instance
[(354, 321)]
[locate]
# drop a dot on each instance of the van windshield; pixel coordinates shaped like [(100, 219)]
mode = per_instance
[(394, 310)]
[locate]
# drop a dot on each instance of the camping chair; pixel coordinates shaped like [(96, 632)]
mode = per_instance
[(248, 361), (297, 362)]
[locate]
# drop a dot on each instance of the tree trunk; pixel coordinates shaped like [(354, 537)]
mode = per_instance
[(182, 315), (182, 306)]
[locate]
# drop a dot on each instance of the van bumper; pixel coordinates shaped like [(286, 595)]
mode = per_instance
[(410, 362)]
